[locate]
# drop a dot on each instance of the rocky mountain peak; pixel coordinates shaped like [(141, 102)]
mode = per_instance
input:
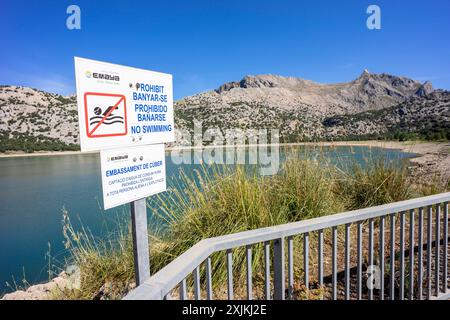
[(364, 74), (250, 81), (425, 89)]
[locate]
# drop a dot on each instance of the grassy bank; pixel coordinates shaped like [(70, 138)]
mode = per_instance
[(219, 201)]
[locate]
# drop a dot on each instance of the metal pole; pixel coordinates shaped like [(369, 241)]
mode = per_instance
[(140, 240)]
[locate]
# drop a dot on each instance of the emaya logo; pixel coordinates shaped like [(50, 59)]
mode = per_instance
[(102, 76)]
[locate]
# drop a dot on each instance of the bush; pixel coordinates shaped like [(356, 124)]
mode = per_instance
[(29, 143)]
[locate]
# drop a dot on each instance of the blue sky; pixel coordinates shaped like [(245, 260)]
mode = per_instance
[(206, 43)]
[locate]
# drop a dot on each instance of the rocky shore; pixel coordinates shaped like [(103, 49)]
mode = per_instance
[(45, 291), (433, 160)]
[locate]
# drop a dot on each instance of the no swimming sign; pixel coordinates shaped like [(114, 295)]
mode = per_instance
[(127, 114), (121, 106)]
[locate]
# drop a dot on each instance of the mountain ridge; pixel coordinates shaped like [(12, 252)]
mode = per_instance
[(298, 107), (303, 110)]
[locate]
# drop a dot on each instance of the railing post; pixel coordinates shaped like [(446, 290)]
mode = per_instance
[(249, 273), (230, 274), (197, 295), (290, 267), (437, 250), (278, 269), (320, 260), (209, 293), (392, 257), (359, 261), (411, 254), (445, 270), (334, 262), (371, 253), (381, 248), (267, 270), (420, 256), (183, 290)]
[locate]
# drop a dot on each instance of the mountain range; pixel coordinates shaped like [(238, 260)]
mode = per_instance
[(371, 106)]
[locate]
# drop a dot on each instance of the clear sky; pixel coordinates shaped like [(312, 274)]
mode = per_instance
[(206, 43)]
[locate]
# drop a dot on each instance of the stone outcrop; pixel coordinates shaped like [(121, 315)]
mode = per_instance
[(44, 291)]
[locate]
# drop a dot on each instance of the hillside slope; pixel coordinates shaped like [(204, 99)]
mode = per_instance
[(31, 120), (428, 117), (371, 106), (300, 108)]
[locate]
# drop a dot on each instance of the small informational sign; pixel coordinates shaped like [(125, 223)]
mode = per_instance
[(120, 106), (132, 173)]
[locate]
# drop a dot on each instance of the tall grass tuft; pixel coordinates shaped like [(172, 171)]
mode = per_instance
[(220, 202), (375, 182), (105, 264), (215, 203), (305, 189)]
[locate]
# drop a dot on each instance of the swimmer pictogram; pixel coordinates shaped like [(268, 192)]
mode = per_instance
[(105, 114)]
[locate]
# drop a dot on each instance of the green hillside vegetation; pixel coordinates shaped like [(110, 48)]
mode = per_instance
[(30, 144)]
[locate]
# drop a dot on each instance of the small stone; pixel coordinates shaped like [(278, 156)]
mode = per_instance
[(60, 282)]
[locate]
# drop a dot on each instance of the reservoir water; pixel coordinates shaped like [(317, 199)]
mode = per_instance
[(34, 190)]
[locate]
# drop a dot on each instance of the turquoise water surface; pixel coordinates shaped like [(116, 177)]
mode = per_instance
[(34, 190)]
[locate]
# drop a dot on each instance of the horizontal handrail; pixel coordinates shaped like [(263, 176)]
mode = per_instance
[(158, 285)]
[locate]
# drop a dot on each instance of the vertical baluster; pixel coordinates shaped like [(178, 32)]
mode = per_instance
[(183, 291), (278, 269), (420, 256), (402, 256), (209, 294), (381, 258), (411, 254), (371, 227), (230, 274), (429, 244), (320, 258), (168, 296), (392, 256), (445, 257), (197, 283), (359, 266), (267, 269), (249, 273), (347, 261), (334, 262), (306, 261), (290, 267), (437, 250)]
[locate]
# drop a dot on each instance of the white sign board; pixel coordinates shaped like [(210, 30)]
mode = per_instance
[(121, 106), (132, 173)]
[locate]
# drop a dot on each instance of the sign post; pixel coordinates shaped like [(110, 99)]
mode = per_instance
[(127, 115), (140, 240)]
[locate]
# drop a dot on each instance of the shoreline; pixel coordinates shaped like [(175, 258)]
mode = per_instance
[(432, 157), (403, 146)]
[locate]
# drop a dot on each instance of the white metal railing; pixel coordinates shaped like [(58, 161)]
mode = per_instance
[(431, 270)]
